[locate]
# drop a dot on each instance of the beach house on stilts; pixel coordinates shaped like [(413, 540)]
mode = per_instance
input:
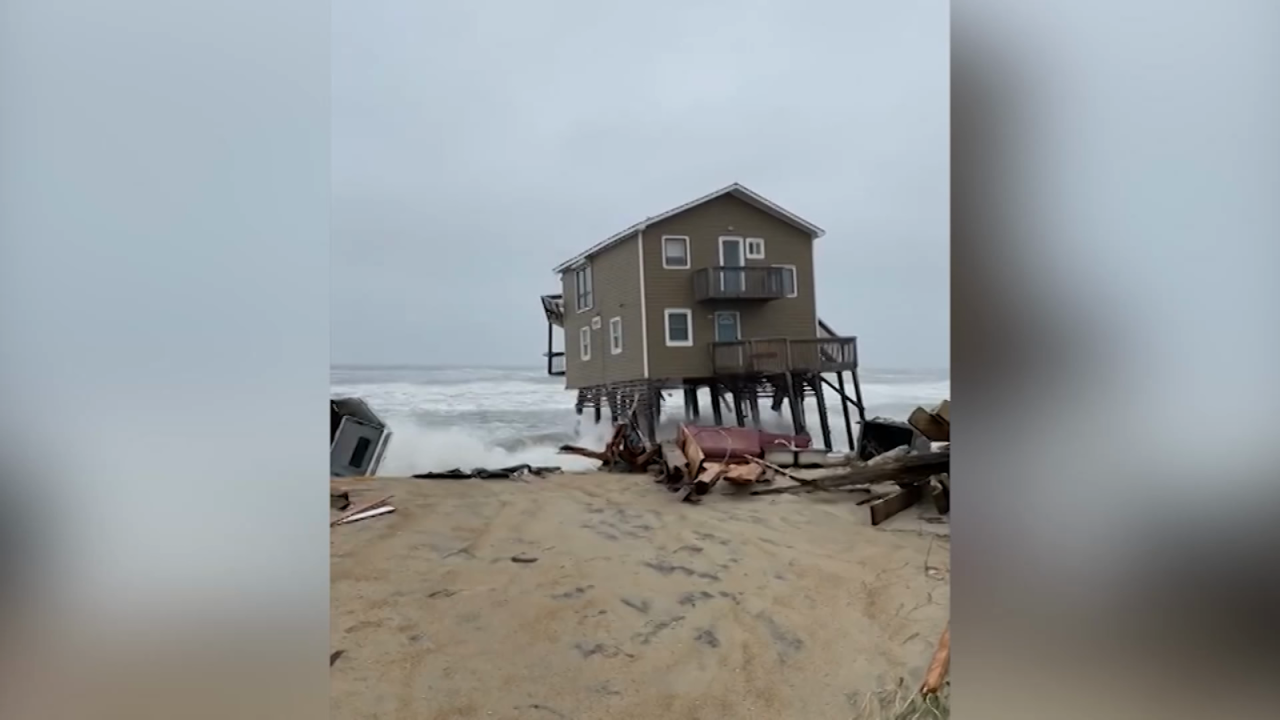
[(716, 293)]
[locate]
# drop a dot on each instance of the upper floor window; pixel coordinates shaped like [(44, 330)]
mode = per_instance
[(675, 252), (755, 248), (584, 298)]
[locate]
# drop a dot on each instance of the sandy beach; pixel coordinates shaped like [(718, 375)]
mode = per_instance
[(626, 603)]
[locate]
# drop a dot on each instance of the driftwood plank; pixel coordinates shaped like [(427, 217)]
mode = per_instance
[(910, 469), (359, 510), (938, 665), (887, 507)]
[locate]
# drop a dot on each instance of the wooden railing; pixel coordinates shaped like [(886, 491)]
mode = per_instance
[(739, 283), (764, 355), (778, 355), (828, 354)]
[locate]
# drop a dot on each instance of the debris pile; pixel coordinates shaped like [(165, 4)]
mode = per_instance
[(513, 472), (626, 452), (916, 465)]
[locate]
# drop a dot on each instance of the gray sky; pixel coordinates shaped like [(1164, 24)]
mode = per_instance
[(476, 145)]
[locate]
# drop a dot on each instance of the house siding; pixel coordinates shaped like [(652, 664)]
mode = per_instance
[(616, 286), (785, 244)]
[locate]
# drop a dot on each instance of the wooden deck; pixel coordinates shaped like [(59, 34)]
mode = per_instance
[(766, 356)]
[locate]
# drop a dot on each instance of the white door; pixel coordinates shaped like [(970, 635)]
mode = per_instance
[(732, 281), (728, 326)]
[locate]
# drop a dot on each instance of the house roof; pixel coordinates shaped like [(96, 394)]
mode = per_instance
[(737, 190)]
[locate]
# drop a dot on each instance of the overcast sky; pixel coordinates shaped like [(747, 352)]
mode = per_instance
[(478, 144)]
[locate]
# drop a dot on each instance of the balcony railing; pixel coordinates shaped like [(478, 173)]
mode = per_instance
[(766, 356), (739, 283), (828, 354)]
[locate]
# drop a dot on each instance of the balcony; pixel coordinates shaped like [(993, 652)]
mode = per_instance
[(739, 283), (767, 356)]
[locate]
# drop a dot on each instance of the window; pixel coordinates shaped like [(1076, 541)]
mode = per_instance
[(360, 452), (584, 298), (679, 327), (788, 280), (675, 252), (584, 343), (755, 248), (615, 336)]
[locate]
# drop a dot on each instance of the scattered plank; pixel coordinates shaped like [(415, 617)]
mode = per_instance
[(938, 666), (692, 452), (743, 473), (357, 511), (811, 487), (708, 478), (930, 425), (375, 512), (907, 470), (675, 466), (778, 470), (887, 507)]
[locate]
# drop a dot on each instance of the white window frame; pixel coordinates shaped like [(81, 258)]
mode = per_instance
[(746, 248), (687, 259), (795, 281), (615, 332), (583, 271), (584, 343), (666, 326)]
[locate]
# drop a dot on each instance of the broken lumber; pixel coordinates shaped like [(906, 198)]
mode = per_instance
[(357, 511), (707, 478), (692, 452), (743, 473), (938, 666), (891, 505), (375, 512), (930, 425), (907, 470), (778, 470), (675, 467), (810, 487)]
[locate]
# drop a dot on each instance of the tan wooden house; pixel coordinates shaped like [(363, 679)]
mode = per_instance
[(716, 292)]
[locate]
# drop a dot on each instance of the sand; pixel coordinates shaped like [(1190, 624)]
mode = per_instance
[(637, 606)]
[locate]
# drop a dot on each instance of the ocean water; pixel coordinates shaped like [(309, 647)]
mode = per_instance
[(493, 417)]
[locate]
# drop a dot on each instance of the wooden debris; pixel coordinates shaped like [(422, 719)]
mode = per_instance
[(339, 500), (625, 451), (743, 473), (365, 515), (907, 470), (778, 471), (939, 665), (707, 478), (357, 511), (887, 507), (930, 425), (675, 467), (523, 559), (692, 452), (941, 493)]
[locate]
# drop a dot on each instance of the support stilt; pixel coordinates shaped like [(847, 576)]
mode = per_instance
[(693, 403), (797, 409), (822, 410), (844, 408), (716, 411), (738, 413), (753, 404)]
